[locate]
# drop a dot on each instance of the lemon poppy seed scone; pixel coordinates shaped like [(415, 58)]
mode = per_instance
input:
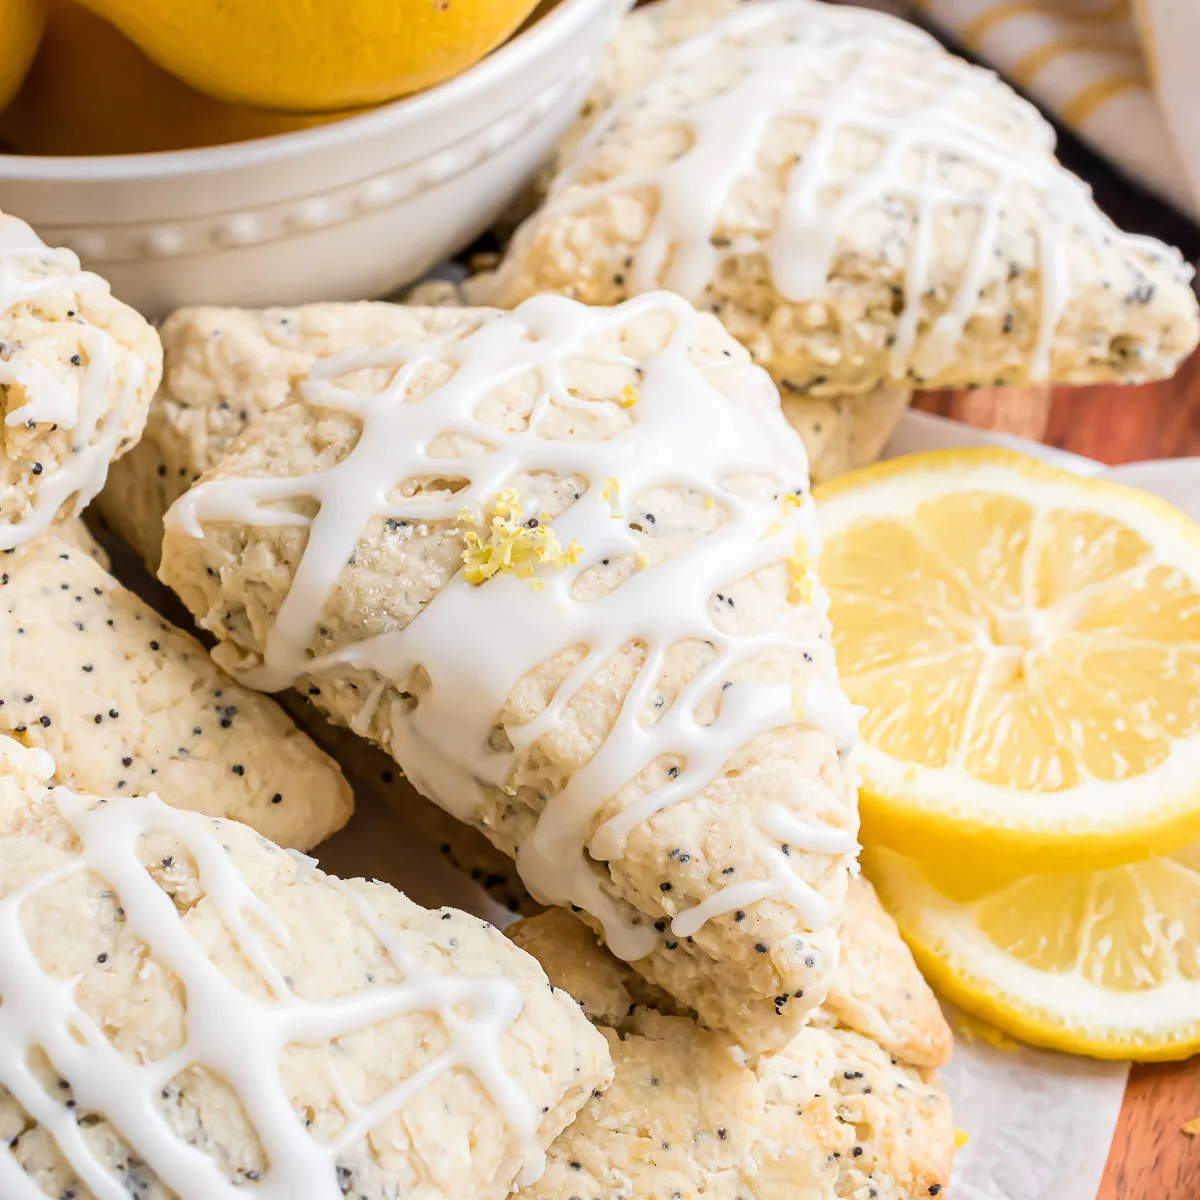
[(832, 1114), (128, 704), (559, 564), (858, 207), (190, 1012), (77, 370), (223, 367)]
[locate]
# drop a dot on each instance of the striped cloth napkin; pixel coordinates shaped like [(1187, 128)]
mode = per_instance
[(1124, 75)]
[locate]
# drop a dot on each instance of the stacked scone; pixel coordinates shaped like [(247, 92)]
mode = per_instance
[(558, 559), (729, 820), (865, 213)]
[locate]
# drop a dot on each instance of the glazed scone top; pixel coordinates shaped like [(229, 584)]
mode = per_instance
[(77, 370), (800, 155), (666, 497), (190, 1011)]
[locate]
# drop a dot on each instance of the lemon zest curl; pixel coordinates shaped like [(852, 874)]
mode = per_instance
[(509, 543), (800, 588)]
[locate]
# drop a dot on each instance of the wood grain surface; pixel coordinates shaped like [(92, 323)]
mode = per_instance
[(1152, 1158)]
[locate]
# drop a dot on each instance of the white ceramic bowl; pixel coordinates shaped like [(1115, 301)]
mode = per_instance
[(350, 210)]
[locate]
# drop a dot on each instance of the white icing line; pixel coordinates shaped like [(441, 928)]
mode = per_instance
[(476, 642), (235, 1035)]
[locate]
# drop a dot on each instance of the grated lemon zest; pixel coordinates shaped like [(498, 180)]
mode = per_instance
[(610, 494), (643, 561), (629, 396), (508, 544), (709, 502), (797, 701), (799, 582), (790, 500), (1192, 1127), (961, 1138)]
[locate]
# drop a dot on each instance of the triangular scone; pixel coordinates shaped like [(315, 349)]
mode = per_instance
[(856, 205), (77, 370), (832, 1114), (559, 563), (190, 1011), (128, 704)]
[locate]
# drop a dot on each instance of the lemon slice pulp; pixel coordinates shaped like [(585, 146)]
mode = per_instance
[(1105, 963), (1027, 644)]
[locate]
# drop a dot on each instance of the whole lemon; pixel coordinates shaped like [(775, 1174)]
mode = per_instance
[(92, 91), (314, 55), (20, 31)]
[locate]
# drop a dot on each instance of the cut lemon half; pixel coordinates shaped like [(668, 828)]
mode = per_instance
[(1105, 963), (1027, 644)]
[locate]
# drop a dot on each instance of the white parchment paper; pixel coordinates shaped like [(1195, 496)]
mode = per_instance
[(1040, 1124)]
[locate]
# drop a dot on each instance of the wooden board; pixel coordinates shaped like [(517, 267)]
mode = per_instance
[(1151, 1157)]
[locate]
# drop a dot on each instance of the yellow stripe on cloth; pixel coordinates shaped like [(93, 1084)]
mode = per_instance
[(1095, 96), (1026, 69), (1120, 73), (975, 31)]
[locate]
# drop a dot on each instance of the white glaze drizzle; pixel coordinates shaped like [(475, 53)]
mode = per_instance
[(778, 52), (237, 1036), (476, 642), (95, 431)]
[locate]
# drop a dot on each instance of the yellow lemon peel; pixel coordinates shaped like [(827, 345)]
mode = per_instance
[(709, 502), (509, 543), (800, 586), (961, 1138), (629, 396)]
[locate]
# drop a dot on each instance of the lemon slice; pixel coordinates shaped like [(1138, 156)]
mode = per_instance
[(1105, 963), (1027, 644)]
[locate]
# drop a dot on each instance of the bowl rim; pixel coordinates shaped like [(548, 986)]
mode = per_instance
[(508, 59)]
